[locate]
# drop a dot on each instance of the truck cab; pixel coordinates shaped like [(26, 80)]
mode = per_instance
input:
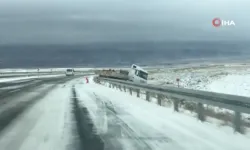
[(137, 74), (70, 72)]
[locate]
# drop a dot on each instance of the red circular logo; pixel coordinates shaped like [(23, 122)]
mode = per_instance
[(216, 22)]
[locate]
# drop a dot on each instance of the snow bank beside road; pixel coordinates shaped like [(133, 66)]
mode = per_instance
[(40, 70), (27, 78)]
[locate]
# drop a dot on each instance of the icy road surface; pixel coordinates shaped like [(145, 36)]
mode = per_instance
[(122, 122), (45, 125)]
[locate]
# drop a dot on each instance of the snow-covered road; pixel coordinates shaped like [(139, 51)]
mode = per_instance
[(122, 122), (45, 125), (135, 124)]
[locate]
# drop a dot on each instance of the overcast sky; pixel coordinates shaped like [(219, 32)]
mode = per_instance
[(79, 21)]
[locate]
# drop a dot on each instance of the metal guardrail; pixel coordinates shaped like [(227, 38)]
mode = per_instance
[(238, 104)]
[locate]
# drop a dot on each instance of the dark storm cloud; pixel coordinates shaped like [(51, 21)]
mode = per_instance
[(77, 21)]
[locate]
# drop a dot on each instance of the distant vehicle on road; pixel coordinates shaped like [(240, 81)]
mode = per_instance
[(70, 72)]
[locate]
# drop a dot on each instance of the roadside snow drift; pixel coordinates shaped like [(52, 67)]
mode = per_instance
[(26, 78)]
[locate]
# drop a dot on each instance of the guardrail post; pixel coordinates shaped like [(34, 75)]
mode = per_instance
[(109, 85), (237, 122), (120, 87), (113, 86), (130, 91), (176, 105), (124, 88), (147, 96), (159, 99), (138, 92), (200, 112)]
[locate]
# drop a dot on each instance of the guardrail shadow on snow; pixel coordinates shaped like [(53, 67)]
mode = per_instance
[(192, 100)]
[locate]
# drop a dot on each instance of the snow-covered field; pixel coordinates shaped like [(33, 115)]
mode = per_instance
[(196, 77), (227, 79), (237, 84)]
